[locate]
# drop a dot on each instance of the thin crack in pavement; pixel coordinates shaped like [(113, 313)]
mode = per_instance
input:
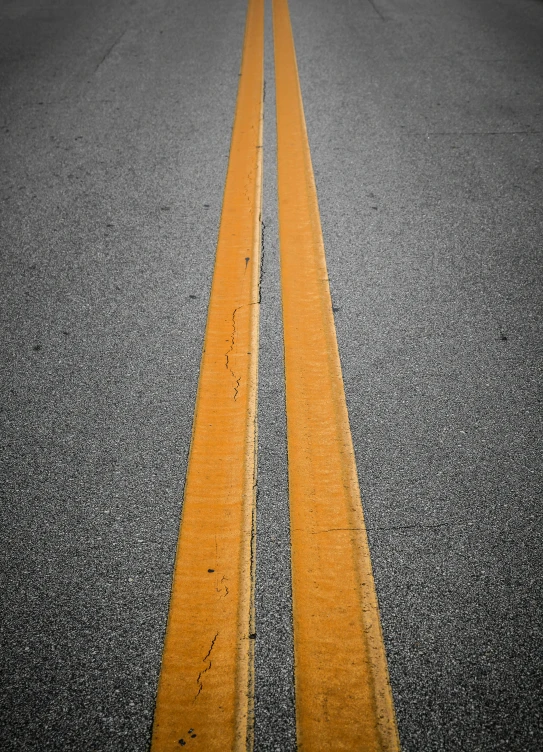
[(205, 670)]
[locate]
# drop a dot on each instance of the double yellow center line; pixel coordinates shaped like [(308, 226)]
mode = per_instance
[(205, 694)]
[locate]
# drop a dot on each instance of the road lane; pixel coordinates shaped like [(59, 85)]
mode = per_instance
[(424, 122), (112, 193)]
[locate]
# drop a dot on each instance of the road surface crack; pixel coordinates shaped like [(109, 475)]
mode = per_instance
[(376, 9), (207, 668), (262, 253), (230, 350), (110, 50)]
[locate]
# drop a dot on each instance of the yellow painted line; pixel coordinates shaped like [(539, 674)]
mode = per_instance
[(343, 697), (205, 693)]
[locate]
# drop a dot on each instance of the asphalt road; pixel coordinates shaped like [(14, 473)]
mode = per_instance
[(425, 121)]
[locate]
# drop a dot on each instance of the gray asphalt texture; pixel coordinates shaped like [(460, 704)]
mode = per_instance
[(425, 121), (274, 661)]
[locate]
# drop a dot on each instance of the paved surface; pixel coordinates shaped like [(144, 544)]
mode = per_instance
[(425, 124), (112, 191), (428, 152)]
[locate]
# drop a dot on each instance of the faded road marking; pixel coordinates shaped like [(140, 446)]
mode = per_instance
[(343, 697), (205, 693)]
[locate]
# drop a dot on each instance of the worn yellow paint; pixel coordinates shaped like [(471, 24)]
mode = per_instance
[(205, 693), (343, 697)]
